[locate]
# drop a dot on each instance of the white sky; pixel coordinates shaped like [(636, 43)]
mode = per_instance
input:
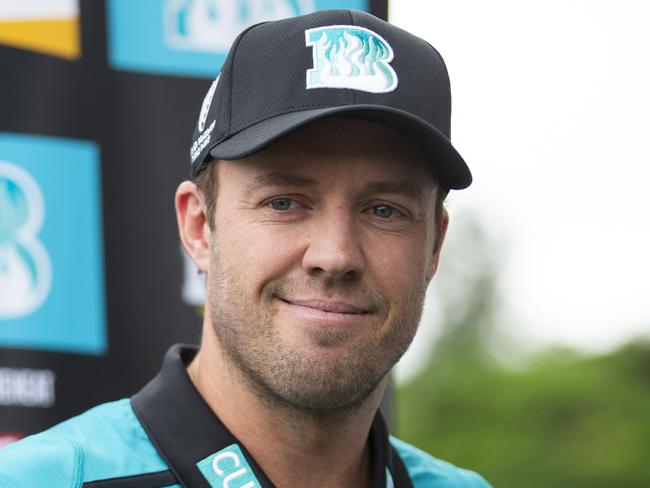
[(551, 110)]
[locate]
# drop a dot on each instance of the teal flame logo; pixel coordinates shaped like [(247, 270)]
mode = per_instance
[(25, 271), (13, 216), (347, 56)]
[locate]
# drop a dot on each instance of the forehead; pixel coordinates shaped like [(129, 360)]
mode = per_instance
[(356, 149)]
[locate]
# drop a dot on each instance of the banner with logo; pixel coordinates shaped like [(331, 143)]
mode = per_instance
[(97, 104)]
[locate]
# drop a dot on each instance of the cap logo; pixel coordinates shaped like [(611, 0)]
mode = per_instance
[(205, 106), (348, 56)]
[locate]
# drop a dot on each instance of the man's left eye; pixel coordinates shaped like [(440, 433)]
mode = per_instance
[(383, 211), (281, 204)]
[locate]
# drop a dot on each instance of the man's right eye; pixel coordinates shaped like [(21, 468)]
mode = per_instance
[(281, 204)]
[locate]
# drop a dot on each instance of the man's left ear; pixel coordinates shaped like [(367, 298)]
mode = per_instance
[(440, 238)]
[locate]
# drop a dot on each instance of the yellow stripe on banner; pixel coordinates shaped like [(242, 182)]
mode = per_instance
[(55, 37)]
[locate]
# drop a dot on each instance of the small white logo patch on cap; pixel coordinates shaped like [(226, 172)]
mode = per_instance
[(205, 106), (348, 56)]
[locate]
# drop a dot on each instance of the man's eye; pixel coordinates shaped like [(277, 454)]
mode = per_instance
[(383, 211), (281, 204)]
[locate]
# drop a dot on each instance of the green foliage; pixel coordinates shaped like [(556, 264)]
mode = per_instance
[(566, 420), (582, 422)]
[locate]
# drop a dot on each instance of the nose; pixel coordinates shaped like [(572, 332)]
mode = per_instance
[(334, 250)]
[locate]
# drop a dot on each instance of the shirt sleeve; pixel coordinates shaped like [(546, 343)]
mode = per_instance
[(41, 460), (426, 471)]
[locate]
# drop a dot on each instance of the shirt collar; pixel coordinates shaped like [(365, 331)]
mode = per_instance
[(188, 435)]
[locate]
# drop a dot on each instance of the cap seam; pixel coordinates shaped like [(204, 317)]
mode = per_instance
[(444, 67), (235, 48), (352, 22)]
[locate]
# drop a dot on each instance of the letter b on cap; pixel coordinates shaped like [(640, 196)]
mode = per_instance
[(348, 56)]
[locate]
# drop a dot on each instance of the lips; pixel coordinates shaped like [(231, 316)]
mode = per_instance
[(328, 306)]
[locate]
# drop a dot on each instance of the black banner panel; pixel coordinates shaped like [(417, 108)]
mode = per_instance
[(97, 104)]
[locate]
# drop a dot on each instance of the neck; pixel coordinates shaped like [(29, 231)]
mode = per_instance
[(294, 447)]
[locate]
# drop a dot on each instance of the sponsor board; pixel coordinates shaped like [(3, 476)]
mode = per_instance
[(193, 290), (9, 437), (45, 26), (51, 260), (192, 37), (26, 387)]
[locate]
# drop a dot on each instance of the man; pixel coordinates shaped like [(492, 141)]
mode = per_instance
[(320, 163)]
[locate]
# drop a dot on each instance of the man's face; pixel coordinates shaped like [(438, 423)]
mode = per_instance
[(322, 250)]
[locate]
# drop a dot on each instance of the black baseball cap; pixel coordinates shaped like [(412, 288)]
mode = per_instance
[(284, 74)]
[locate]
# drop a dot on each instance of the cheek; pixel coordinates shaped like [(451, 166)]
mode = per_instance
[(256, 253), (399, 265)]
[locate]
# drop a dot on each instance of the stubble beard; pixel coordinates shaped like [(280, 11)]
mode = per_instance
[(278, 373)]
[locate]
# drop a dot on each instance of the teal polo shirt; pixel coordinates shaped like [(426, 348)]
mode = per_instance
[(166, 435)]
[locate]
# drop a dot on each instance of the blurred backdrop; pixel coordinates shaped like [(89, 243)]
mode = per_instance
[(532, 363), (539, 317)]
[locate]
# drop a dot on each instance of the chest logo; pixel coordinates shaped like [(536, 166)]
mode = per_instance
[(347, 56), (228, 468)]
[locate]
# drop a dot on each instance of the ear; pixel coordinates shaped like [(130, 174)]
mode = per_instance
[(440, 238), (193, 227)]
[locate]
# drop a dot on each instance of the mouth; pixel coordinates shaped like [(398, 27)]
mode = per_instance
[(329, 306), (326, 312)]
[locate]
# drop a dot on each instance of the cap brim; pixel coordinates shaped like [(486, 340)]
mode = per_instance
[(449, 166)]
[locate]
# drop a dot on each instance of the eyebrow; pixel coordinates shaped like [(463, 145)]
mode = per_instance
[(275, 179), (406, 188)]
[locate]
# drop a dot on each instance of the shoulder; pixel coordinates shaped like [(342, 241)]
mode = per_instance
[(107, 441), (27, 463), (426, 471)]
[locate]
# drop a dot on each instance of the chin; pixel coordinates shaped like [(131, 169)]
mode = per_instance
[(324, 380)]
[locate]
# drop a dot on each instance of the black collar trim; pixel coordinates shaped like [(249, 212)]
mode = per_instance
[(185, 431), (146, 480)]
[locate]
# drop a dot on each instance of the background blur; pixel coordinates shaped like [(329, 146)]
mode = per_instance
[(539, 317), (532, 363)]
